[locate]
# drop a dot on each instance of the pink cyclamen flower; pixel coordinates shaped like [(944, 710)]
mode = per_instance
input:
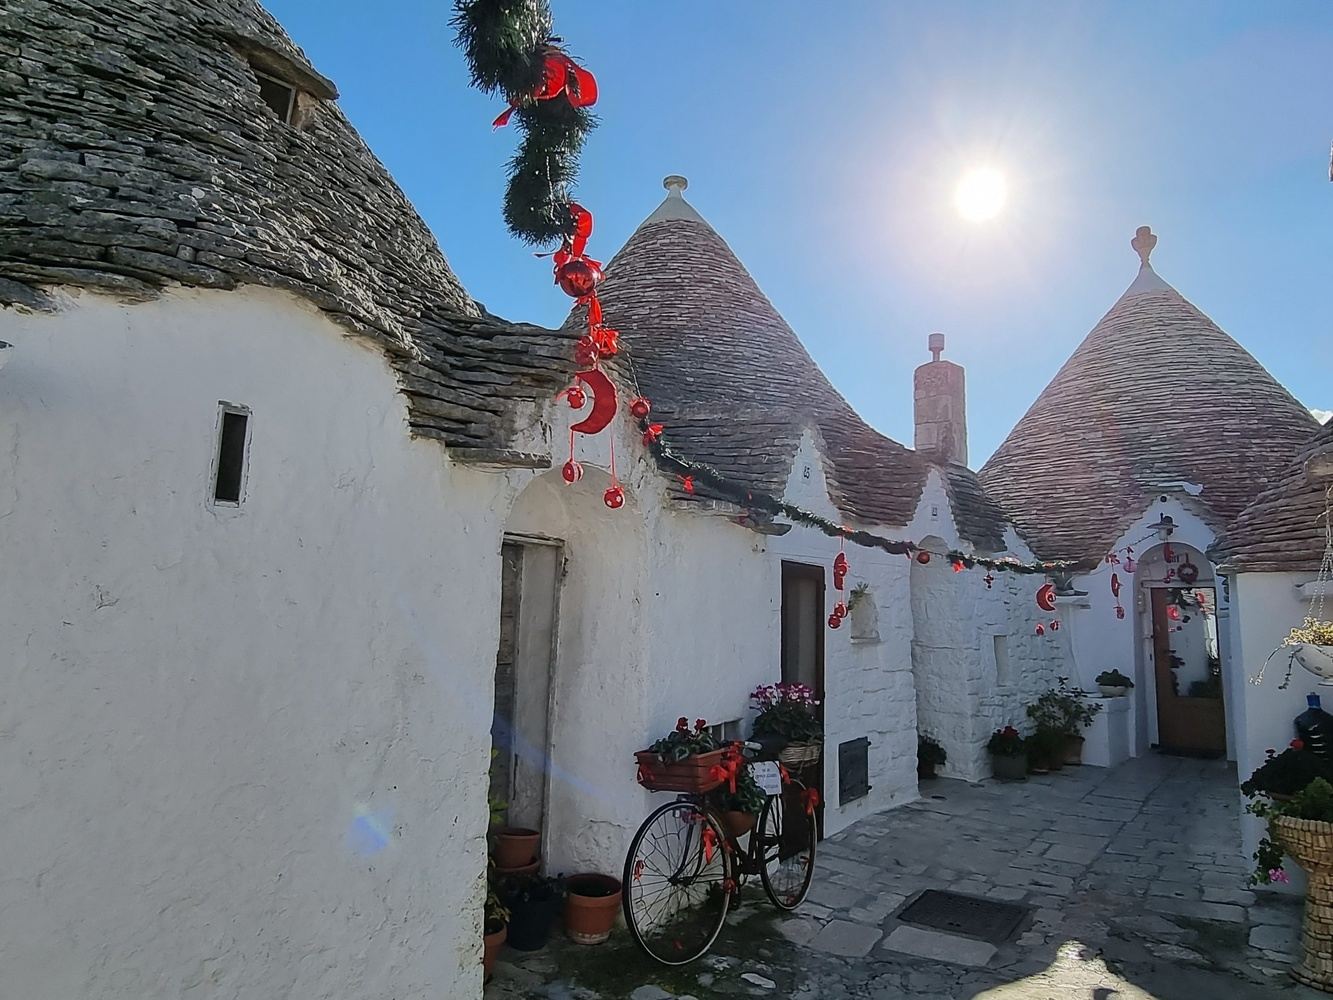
[(1278, 875)]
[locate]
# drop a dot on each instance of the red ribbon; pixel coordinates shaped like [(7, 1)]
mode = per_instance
[(709, 842), (560, 75), (811, 799)]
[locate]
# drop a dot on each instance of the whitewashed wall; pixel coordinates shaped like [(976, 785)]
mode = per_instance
[(1265, 607), (244, 749)]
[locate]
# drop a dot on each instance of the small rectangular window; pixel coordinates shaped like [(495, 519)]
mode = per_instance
[(277, 95), (229, 476), (1004, 673), (726, 732)]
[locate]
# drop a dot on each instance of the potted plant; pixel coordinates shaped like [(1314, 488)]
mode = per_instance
[(1112, 683), (533, 906), (787, 713), (1302, 827), (1009, 754), (494, 929), (1066, 711), (591, 904), (1046, 750), (742, 802), (1311, 645), (1282, 775), (516, 849), (685, 760), (929, 755)]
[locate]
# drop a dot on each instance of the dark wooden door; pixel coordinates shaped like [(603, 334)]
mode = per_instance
[(803, 619), (1191, 717)]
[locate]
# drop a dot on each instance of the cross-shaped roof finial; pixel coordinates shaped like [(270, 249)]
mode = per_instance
[(1143, 242)]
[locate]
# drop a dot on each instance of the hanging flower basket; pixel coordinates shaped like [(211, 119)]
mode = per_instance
[(1316, 659), (696, 773), (1310, 843), (802, 753)]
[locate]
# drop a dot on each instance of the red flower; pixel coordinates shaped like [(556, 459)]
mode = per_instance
[(1297, 744), (700, 725), (682, 725)]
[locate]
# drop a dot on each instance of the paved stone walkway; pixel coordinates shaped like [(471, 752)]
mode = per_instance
[(1133, 877)]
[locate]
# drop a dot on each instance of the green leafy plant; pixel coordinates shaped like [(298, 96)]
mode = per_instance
[(499, 808), (684, 742), (858, 594), (1063, 710), (748, 797), (1007, 742), (1313, 802), (1113, 679), (1288, 772), (786, 710), (496, 913), (928, 751)]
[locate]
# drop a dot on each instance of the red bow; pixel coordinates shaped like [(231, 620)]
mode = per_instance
[(560, 75), (709, 842), (811, 799)]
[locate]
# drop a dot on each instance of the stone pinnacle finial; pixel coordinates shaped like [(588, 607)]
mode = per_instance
[(1143, 242), (935, 342), (675, 184)]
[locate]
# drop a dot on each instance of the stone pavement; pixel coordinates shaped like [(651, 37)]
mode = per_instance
[(1133, 876)]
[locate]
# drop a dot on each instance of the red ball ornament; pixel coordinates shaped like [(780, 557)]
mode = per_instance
[(840, 610), (923, 557), (1041, 629), (989, 580), (614, 497), (576, 397), (1119, 612), (1173, 612), (639, 407), (958, 566), (1055, 625), (834, 621), (578, 278), (571, 471)]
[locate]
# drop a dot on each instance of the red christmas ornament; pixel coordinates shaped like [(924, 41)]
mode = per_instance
[(840, 610), (838, 579), (1173, 612), (687, 483), (1046, 597), (1119, 612), (923, 557), (840, 564), (639, 407), (585, 352), (958, 566), (1055, 625), (834, 621), (1168, 553), (651, 434), (603, 402), (1188, 572), (578, 277), (575, 397), (614, 497), (989, 580), (560, 75), (607, 341), (1041, 629), (571, 471), (1115, 585)]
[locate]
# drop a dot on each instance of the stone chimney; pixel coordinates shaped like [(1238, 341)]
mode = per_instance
[(941, 407)]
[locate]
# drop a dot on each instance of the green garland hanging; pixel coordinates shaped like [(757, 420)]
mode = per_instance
[(511, 52)]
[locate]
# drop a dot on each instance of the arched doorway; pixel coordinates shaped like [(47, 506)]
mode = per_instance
[(1182, 653)]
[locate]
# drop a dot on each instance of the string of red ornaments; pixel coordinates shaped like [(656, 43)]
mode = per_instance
[(840, 570)]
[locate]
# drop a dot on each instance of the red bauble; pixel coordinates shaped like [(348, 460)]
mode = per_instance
[(639, 407), (1041, 629), (840, 610), (923, 557), (1119, 612), (1173, 612), (1055, 625), (614, 497), (958, 566), (989, 580), (834, 621), (578, 278), (576, 397), (687, 483), (650, 435), (571, 471)]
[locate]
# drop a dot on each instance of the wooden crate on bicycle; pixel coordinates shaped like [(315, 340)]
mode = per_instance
[(696, 773)]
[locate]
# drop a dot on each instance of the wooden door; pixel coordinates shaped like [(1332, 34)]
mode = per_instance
[(803, 620), (1191, 717)]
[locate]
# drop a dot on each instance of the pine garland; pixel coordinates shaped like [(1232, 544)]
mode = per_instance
[(506, 43)]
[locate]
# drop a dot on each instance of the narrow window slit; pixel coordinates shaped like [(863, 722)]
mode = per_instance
[(230, 475)]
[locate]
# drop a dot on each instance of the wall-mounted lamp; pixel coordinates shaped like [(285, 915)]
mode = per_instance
[(6, 351), (1164, 526)]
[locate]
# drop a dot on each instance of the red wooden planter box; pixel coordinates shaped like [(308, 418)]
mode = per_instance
[(693, 774)]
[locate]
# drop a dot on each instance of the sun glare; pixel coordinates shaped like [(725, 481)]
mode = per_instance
[(981, 194)]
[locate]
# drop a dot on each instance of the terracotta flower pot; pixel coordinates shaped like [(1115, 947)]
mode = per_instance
[(738, 823), (1073, 753), (1010, 768), (521, 872), (591, 905), (491, 944), (516, 846)]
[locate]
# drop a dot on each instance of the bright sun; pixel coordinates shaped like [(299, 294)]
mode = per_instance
[(981, 194)]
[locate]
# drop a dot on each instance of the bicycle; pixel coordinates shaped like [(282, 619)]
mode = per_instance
[(684, 865)]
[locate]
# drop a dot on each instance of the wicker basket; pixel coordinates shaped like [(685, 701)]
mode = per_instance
[(1310, 842), (800, 754), (693, 774)]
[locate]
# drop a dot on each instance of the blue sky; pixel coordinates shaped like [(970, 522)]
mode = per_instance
[(825, 150)]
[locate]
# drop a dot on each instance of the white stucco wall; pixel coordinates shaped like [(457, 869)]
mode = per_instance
[(244, 749), (1265, 607)]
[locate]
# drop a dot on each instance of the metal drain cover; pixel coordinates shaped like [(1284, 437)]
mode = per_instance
[(966, 916)]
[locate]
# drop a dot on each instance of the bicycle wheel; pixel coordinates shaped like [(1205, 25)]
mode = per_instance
[(677, 883), (786, 847)]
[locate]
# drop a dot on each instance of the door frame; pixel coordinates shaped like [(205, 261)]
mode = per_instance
[(795, 570), (1158, 667)]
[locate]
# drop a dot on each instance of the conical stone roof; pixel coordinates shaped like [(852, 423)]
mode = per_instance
[(1155, 398), (736, 388), (138, 153)]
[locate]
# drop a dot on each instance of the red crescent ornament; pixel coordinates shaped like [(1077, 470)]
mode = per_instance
[(603, 402), (923, 557), (1115, 584), (578, 277), (614, 497), (1046, 597), (840, 563), (834, 621), (571, 472), (639, 407)]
